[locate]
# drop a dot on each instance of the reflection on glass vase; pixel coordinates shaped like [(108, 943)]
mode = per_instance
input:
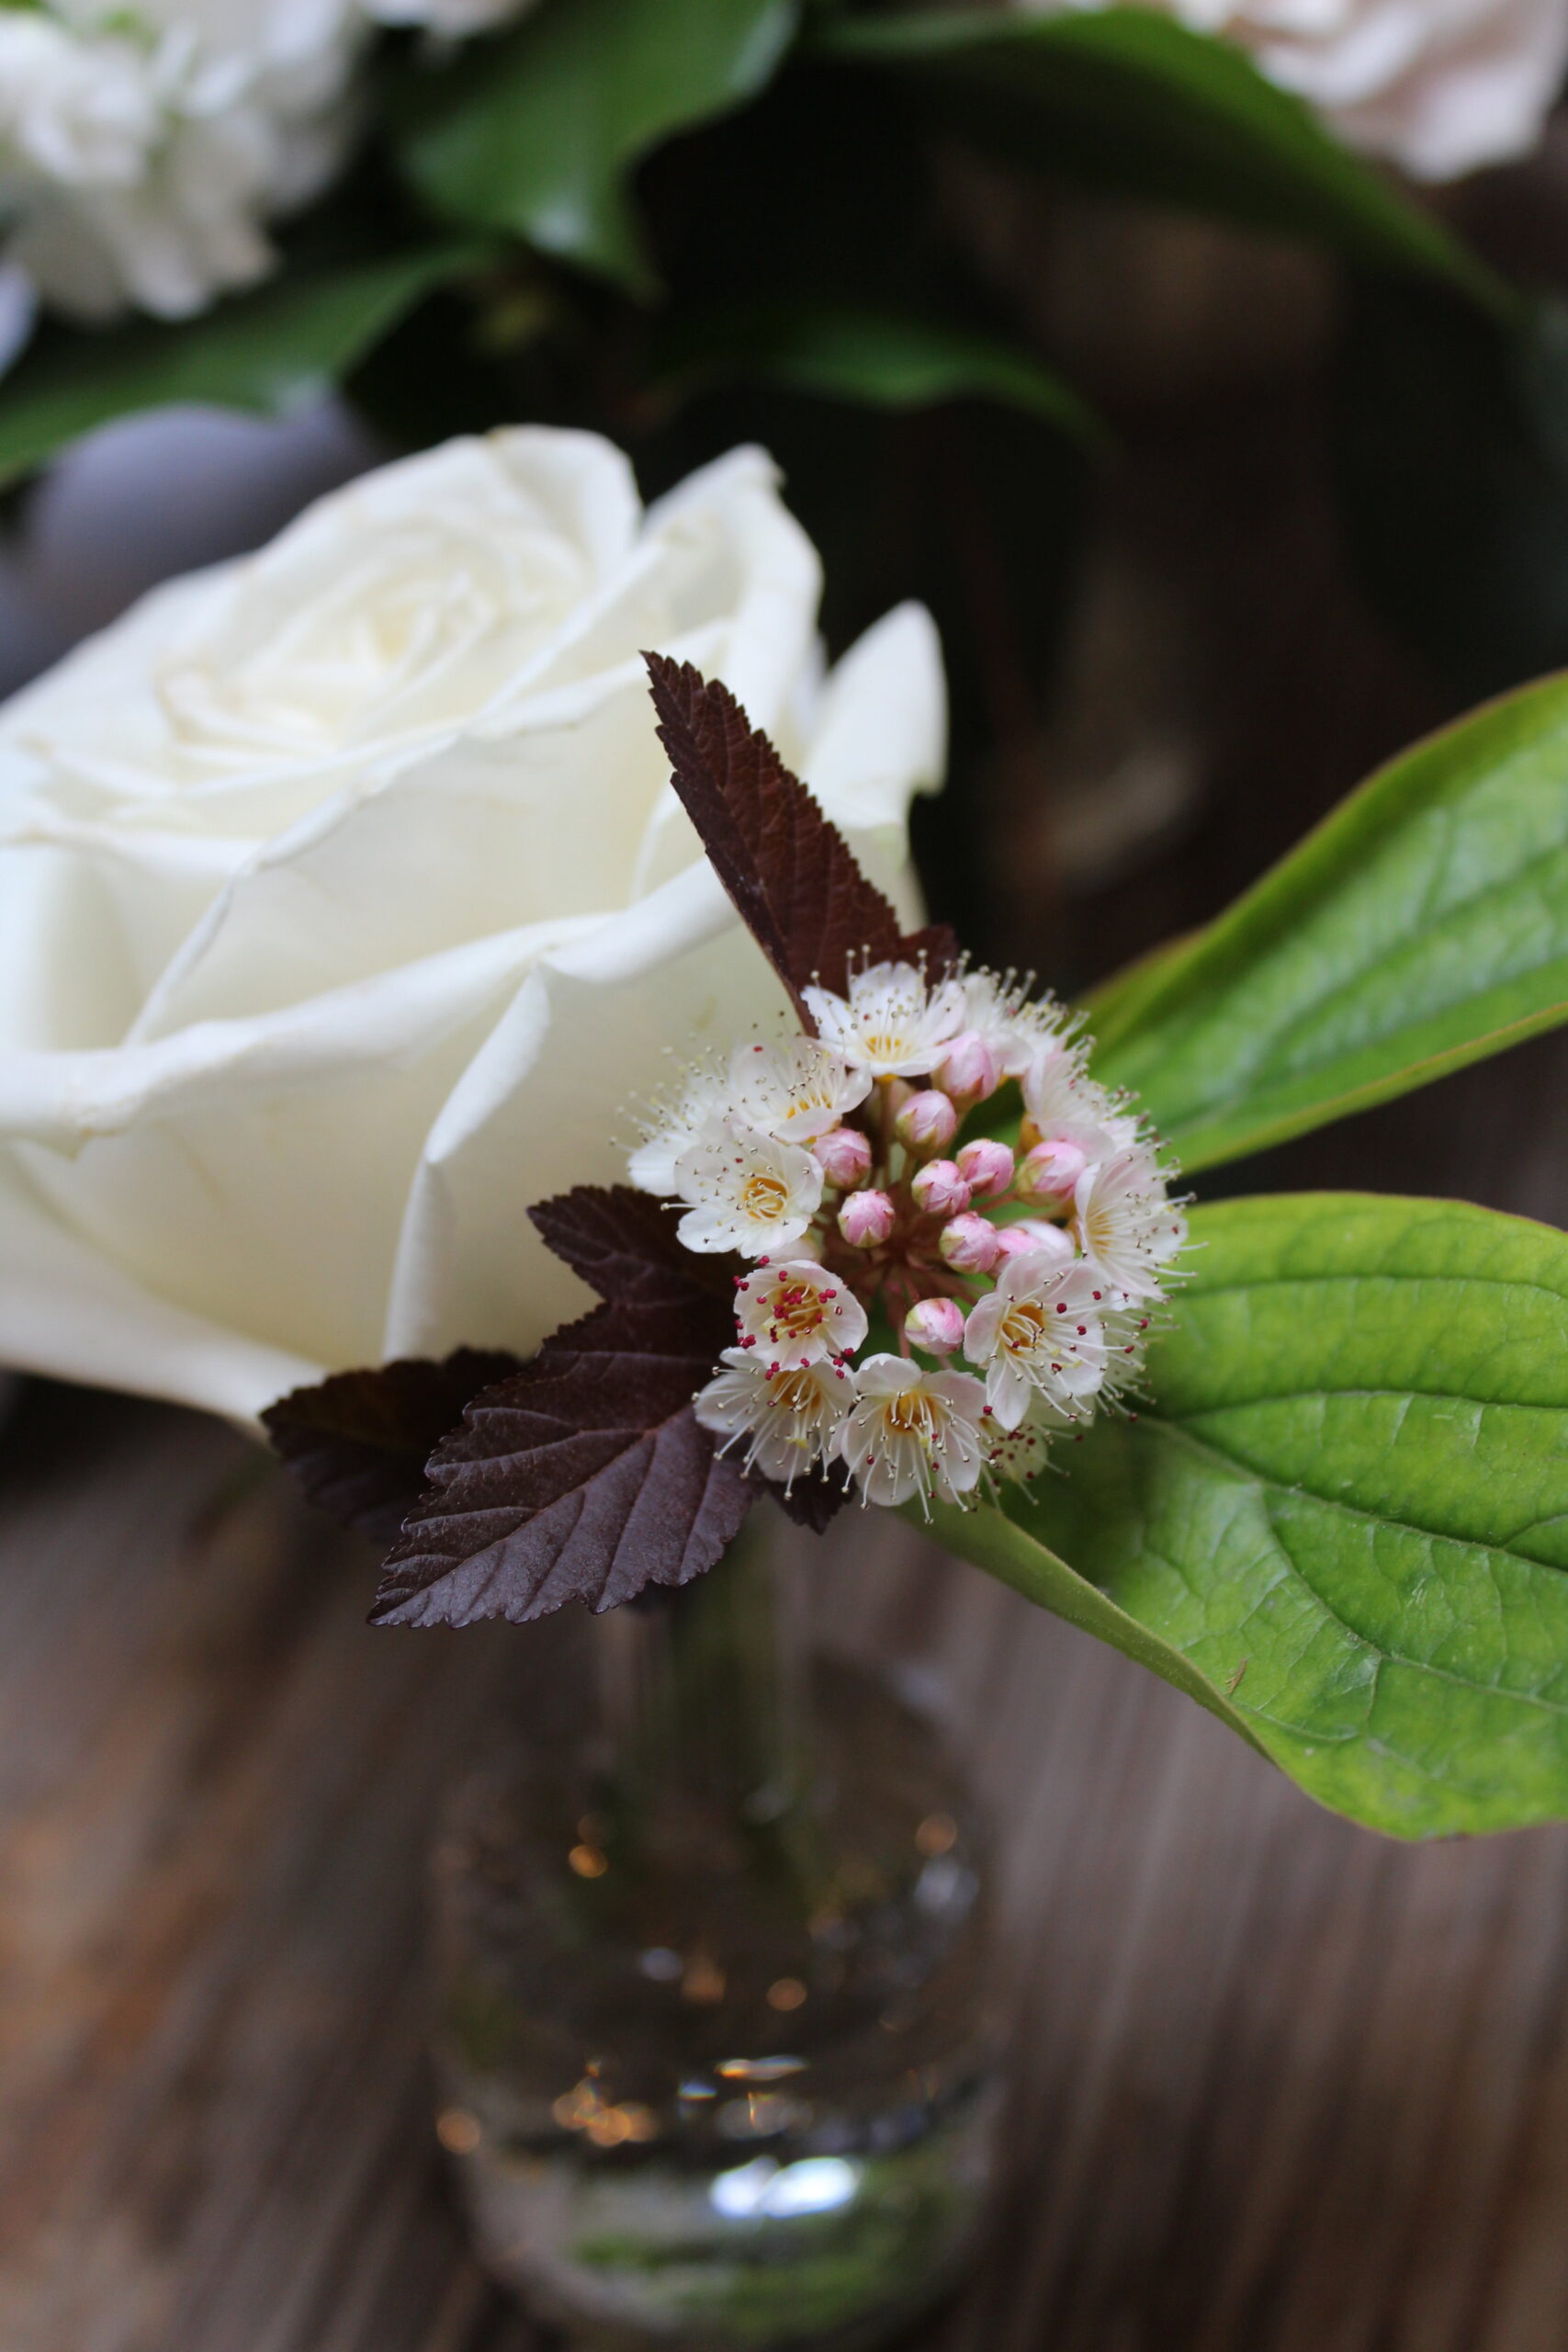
[(717, 2058)]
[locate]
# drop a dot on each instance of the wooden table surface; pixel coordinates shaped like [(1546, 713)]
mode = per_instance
[(1281, 2085)]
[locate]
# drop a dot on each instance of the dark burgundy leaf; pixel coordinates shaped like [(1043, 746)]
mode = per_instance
[(585, 1477), (811, 1501), (359, 1442), (619, 1242), (790, 872)]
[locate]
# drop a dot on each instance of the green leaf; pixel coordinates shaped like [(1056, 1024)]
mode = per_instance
[(265, 351), (878, 359), (538, 134), (1129, 101), (1424, 926), (1345, 1516)]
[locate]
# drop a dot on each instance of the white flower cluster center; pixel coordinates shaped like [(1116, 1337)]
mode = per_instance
[(839, 1166)]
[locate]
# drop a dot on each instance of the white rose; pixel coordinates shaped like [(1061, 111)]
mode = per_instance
[(344, 906), (138, 163), (1440, 86)]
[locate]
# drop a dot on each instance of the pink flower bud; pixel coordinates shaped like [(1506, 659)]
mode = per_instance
[(941, 1190), (866, 1218), (970, 1244), (927, 1122), (987, 1168), (934, 1323), (1049, 1172), (843, 1154), (968, 1070), (1032, 1238)]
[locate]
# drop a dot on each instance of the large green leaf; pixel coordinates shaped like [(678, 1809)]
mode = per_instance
[(1345, 1516), (263, 351), (1424, 926), (876, 357), (1128, 100), (537, 132)]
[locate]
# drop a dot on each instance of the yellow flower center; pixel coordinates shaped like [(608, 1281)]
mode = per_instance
[(794, 1310), (1023, 1328), (766, 1198), (910, 1414)]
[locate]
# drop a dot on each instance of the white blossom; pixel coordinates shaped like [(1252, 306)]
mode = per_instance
[(1127, 1224), (142, 150), (1440, 86), (679, 1123), (795, 1090), (1021, 1030), (1016, 1458), (912, 1432), (797, 1314), (746, 1192), (892, 1024), (1038, 1333), (792, 1415)]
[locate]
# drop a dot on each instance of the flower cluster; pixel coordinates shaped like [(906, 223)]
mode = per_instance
[(144, 148), (883, 1243)]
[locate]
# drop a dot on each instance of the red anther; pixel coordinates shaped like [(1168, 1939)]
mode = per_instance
[(1083, 1329), (1062, 1310), (1099, 1294)]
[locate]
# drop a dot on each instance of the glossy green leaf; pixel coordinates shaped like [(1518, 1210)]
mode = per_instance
[(1424, 926), (537, 132), (1346, 1514), (877, 358), (1130, 101), (265, 351)]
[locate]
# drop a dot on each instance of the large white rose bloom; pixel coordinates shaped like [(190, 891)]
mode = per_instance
[(1439, 86), (344, 906), (144, 148)]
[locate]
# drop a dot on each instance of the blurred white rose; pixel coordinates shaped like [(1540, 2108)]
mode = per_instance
[(345, 903), (1439, 86), (144, 148)]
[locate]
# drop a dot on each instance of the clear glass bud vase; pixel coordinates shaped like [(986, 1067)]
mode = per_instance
[(715, 2044)]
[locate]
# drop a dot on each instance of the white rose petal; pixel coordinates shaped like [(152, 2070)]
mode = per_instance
[(1440, 86), (339, 920)]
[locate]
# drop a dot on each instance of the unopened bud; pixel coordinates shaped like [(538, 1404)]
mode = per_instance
[(1032, 1238), (969, 1245), (934, 1323), (843, 1154), (941, 1190), (987, 1168), (927, 1122), (968, 1070), (866, 1219), (1049, 1172)]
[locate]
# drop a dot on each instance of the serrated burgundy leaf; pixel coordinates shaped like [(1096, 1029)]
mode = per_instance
[(619, 1242), (811, 1501), (358, 1443), (586, 1478), (791, 873)]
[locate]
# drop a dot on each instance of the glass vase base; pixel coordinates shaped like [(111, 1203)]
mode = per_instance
[(720, 2078)]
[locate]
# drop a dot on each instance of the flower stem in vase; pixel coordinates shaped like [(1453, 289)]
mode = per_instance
[(715, 2039)]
